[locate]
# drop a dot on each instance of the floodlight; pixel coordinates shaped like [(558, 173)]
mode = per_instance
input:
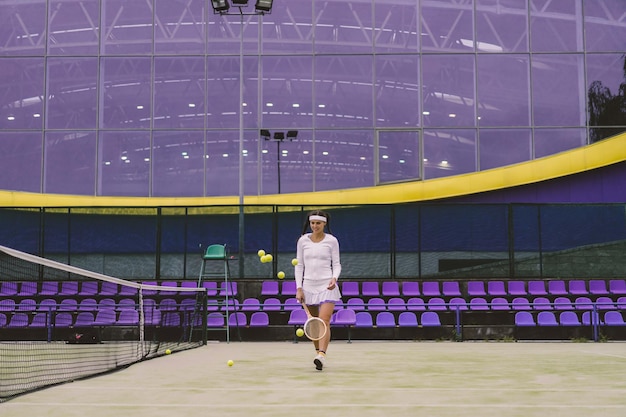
[(264, 5), (279, 135), (220, 5), (292, 134), (265, 134), (240, 2)]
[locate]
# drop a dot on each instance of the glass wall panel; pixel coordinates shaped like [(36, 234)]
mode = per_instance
[(448, 90), (606, 91), (500, 147), (556, 26), (23, 28), (501, 27), (222, 163), (449, 152), (343, 159), (73, 27), (179, 92), (447, 25), (126, 92), (343, 26), (20, 161), (124, 163), (558, 96), (398, 155), (223, 75), (225, 34), (287, 92), (177, 163), (73, 98), (604, 26), (21, 93), (396, 27), (551, 141), (70, 162), (397, 90), (289, 29), (343, 91), (503, 90), (127, 26), (179, 26), (288, 163)]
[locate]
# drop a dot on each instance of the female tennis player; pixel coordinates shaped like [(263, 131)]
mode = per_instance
[(316, 273)]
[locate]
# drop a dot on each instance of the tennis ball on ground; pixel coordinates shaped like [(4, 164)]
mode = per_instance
[(280, 275), (294, 262), (167, 351), (299, 332), (261, 252), (230, 362)]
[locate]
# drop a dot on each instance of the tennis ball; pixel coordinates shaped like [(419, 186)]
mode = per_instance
[(280, 275), (230, 362), (299, 332), (263, 259), (269, 257), (261, 252), (167, 351), (294, 262)]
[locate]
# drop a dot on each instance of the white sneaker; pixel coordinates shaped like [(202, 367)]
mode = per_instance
[(319, 361)]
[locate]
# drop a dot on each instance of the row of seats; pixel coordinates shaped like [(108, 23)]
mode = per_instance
[(568, 318)]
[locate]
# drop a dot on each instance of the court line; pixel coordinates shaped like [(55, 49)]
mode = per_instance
[(610, 355)]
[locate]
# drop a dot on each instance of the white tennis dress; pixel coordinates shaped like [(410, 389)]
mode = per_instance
[(318, 263)]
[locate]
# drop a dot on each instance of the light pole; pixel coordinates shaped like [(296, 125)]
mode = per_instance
[(279, 137)]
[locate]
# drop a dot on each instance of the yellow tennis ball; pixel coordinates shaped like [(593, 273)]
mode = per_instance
[(269, 257), (230, 362), (294, 262), (299, 332), (261, 252), (167, 351), (263, 259), (280, 275)]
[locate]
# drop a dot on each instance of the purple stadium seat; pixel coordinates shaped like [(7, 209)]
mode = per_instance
[(68, 304), (271, 304), (149, 292), (500, 303), (350, 289), (542, 303), (476, 288), (385, 319), (563, 303), (259, 319), (415, 304), (186, 304), (109, 289), (39, 320), (88, 288), (345, 317), (105, 317), (577, 287), (451, 289), (598, 287), (391, 288), (363, 319), (211, 288), (396, 304), (370, 289), (63, 320), (524, 319), (84, 319), (496, 288), (516, 288), (410, 289), (88, 304), (7, 304), (431, 289), (546, 318), (430, 319), (605, 303), (232, 289), (521, 303), (27, 289), (288, 288), (251, 304), (621, 303), (614, 318), (126, 291), (557, 287), (47, 305), (109, 303), (588, 315), (173, 285), (168, 304), (617, 286), (407, 319), (269, 288), (457, 303), (215, 319), (537, 288), (69, 288), (127, 303), (26, 305), (356, 304), (152, 316), (376, 304), (3, 320), (583, 303), (18, 321), (170, 319), (8, 288), (478, 303), (569, 318), (297, 317), (436, 304), (49, 288), (293, 304)]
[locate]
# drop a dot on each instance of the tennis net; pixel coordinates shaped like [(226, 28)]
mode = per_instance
[(59, 323)]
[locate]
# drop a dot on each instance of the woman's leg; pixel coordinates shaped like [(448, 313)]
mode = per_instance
[(315, 311), (325, 312)]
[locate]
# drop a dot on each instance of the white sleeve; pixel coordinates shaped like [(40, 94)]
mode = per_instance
[(299, 269), (336, 263)]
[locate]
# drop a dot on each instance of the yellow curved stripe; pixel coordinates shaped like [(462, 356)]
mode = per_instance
[(600, 154)]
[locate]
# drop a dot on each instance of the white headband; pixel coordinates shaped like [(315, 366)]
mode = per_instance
[(317, 217)]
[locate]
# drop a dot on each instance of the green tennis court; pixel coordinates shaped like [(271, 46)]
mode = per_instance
[(360, 379)]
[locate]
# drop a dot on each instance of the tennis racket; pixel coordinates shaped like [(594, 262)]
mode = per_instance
[(314, 327)]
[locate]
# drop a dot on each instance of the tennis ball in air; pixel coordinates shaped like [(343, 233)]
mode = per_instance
[(261, 252), (230, 362), (269, 257), (294, 262), (263, 259), (167, 351), (280, 275), (299, 332)]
